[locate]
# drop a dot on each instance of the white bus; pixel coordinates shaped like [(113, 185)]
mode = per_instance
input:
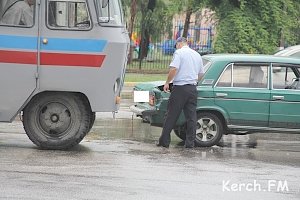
[(60, 62)]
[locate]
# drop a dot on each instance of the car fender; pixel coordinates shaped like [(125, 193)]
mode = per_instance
[(219, 110)]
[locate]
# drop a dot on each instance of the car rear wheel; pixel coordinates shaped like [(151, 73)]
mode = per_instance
[(209, 130), (180, 132), (56, 120)]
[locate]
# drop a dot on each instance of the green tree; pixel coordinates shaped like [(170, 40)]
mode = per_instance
[(255, 26), (152, 24), (188, 7), (148, 23)]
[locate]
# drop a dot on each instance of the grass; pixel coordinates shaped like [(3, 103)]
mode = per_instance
[(133, 77)]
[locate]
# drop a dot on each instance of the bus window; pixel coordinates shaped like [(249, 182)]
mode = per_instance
[(68, 15), (109, 12), (17, 13)]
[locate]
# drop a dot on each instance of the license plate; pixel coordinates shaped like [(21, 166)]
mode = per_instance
[(141, 96)]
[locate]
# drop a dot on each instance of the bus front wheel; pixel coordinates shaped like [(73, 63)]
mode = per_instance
[(54, 120)]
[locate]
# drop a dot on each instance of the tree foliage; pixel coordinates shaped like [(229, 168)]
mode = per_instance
[(153, 23), (150, 22), (188, 7), (255, 26), (243, 26)]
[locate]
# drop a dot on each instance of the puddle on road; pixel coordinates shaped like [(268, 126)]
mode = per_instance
[(280, 148), (138, 138), (124, 129), (136, 130)]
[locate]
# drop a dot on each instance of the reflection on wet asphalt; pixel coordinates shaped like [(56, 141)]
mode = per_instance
[(268, 147), (118, 160)]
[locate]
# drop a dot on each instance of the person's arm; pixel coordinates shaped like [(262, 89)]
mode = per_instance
[(171, 75)]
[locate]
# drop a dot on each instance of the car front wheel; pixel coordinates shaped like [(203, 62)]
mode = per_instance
[(209, 130)]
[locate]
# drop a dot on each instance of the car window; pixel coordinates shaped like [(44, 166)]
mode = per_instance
[(297, 54), (225, 79), (286, 77), (293, 51), (244, 75), (282, 52)]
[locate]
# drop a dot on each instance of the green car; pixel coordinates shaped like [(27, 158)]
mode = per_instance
[(238, 94)]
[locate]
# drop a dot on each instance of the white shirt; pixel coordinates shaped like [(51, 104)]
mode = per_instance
[(19, 13), (189, 64)]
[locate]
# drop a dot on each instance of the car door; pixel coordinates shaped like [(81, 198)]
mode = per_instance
[(285, 98), (242, 92), (18, 62)]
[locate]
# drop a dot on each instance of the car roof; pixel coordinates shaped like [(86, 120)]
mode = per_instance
[(251, 58), (288, 51)]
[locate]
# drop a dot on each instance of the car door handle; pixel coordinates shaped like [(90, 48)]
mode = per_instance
[(278, 97), (221, 94)]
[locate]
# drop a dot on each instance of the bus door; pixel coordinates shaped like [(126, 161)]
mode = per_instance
[(69, 48), (18, 55)]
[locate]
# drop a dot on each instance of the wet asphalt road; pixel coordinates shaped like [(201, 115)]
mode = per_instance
[(118, 160)]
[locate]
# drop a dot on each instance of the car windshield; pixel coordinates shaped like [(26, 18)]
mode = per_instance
[(282, 52), (293, 51), (109, 12)]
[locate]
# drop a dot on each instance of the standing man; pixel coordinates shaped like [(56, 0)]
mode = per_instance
[(18, 13), (186, 69)]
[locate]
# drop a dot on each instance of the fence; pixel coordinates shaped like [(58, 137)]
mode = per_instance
[(161, 50)]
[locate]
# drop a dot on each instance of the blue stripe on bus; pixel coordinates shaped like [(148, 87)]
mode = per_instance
[(54, 44), (80, 45), (18, 42)]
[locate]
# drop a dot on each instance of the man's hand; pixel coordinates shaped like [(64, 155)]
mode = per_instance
[(171, 75), (166, 87)]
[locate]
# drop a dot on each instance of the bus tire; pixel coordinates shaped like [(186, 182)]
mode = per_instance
[(92, 120), (56, 120)]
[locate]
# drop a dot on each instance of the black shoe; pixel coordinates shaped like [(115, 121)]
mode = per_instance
[(158, 144)]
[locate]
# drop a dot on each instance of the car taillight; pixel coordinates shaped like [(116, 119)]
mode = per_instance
[(151, 100)]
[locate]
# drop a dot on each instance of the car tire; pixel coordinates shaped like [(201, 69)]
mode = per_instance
[(209, 130), (180, 132), (55, 120)]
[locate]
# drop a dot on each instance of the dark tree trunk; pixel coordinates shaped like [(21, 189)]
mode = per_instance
[(133, 11), (145, 44), (189, 12)]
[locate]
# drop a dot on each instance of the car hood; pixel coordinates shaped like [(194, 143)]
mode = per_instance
[(148, 86)]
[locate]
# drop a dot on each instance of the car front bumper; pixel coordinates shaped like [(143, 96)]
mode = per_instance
[(148, 115)]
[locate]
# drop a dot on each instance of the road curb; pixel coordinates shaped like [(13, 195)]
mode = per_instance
[(127, 91), (130, 84)]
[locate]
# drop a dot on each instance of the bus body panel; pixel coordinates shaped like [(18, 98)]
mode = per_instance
[(18, 68), (40, 58)]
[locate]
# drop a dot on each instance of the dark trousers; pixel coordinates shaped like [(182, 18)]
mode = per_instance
[(181, 98)]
